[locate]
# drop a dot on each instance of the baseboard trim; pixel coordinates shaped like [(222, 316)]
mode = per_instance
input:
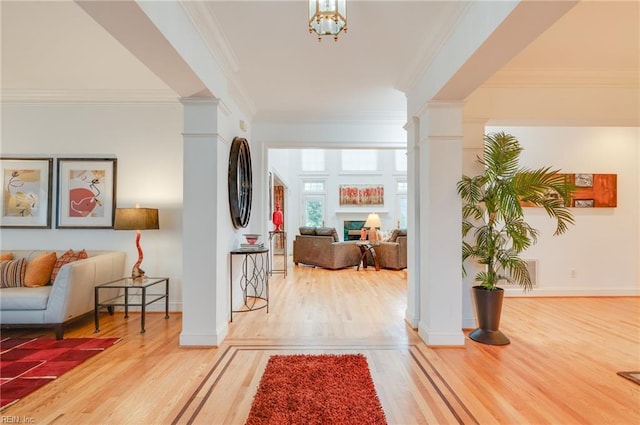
[(449, 339), (573, 292)]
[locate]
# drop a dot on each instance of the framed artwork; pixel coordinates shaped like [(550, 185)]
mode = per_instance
[(86, 192), (26, 192), (591, 191), (361, 194)]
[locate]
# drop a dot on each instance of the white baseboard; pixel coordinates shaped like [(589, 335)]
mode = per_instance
[(573, 292), (433, 338), (204, 340), (411, 320), (469, 323)]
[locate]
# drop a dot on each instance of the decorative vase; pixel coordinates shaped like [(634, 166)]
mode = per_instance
[(277, 218), (488, 310)]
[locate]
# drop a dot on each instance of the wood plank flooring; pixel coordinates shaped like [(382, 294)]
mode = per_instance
[(560, 367)]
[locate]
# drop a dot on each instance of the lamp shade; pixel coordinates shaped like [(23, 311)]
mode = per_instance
[(136, 219), (373, 221)]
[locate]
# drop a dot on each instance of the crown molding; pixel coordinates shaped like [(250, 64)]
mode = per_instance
[(563, 78), (96, 96), (333, 117)]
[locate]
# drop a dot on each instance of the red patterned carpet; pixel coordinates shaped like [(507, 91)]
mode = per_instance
[(322, 389), (28, 364)]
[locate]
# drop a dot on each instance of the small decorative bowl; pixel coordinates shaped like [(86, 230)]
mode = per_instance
[(252, 238)]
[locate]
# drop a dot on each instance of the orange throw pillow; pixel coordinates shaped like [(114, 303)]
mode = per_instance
[(39, 270), (67, 257), (6, 256)]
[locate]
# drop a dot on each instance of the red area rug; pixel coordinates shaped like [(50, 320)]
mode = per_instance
[(324, 389), (28, 364)]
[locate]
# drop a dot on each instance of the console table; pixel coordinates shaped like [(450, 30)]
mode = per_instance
[(283, 234), (254, 281), (139, 298)]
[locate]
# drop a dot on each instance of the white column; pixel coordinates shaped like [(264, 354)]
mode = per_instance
[(440, 224), (412, 315), (201, 254), (472, 148)]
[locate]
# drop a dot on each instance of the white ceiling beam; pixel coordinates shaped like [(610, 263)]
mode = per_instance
[(130, 25)]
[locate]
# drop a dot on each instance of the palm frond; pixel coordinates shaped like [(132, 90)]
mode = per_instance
[(493, 220)]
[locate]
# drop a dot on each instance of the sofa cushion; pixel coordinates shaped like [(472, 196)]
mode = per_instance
[(65, 258), (309, 231), (328, 231), (394, 235), (25, 298), (39, 270), (12, 273)]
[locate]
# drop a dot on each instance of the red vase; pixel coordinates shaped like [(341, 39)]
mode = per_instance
[(277, 218)]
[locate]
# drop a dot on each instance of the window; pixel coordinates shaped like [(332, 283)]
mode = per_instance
[(313, 210), (311, 186), (359, 160), (312, 160), (401, 203), (401, 160), (402, 211)]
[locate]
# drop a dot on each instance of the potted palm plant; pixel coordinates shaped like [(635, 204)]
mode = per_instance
[(493, 227)]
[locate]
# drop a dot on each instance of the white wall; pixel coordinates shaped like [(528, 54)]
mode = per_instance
[(599, 254), (146, 140)]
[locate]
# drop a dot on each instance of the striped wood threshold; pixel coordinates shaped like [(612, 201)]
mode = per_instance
[(419, 393)]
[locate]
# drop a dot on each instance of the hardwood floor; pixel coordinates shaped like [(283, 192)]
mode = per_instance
[(559, 369)]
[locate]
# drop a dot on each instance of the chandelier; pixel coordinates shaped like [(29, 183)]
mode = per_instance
[(327, 17)]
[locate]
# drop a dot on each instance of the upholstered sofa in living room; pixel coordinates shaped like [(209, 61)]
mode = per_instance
[(321, 247), (392, 253), (69, 296)]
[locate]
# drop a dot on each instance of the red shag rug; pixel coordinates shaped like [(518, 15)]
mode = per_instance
[(27, 364), (322, 389)]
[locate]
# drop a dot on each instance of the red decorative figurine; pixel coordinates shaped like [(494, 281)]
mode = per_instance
[(277, 217)]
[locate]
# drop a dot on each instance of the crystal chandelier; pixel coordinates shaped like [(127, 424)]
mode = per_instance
[(327, 17)]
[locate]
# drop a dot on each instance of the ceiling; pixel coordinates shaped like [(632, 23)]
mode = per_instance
[(280, 70)]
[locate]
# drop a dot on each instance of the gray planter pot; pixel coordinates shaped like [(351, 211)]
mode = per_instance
[(488, 310)]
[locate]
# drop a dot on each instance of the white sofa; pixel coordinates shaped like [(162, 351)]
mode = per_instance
[(70, 296)]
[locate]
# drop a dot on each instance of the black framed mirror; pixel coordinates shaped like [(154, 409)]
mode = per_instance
[(240, 182)]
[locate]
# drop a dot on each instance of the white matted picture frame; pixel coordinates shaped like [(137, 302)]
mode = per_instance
[(25, 201), (86, 193)]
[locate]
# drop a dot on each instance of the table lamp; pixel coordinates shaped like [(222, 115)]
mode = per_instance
[(137, 219), (373, 221)]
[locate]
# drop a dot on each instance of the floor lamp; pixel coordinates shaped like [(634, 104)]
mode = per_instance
[(137, 219)]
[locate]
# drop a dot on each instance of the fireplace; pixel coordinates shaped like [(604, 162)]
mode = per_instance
[(352, 229)]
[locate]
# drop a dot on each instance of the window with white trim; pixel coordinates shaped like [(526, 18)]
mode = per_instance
[(358, 160), (313, 186), (401, 203), (401, 160), (312, 160)]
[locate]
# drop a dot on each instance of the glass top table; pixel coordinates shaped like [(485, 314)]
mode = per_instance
[(137, 293)]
